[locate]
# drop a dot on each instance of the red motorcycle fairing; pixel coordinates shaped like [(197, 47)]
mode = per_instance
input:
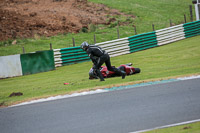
[(128, 69), (106, 73)]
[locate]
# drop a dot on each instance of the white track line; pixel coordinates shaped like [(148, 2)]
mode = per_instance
[(61, 97), (166, 126), (190, 77), (84, 93)]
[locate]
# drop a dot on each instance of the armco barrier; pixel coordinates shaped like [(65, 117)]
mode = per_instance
[(17, 65), (142, 41), (65, 56), (130, 44), (171, 34), (192, 29), (116, 47)]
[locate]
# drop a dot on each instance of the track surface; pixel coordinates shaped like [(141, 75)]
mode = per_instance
[(119, 111)]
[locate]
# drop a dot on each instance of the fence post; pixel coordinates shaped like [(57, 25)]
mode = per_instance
[(23, 49), (118, 32), (135, 30), (170, 21), (185, 18), (94, 39), (153, 27), (191, 15), (73, 42), (50, 46)]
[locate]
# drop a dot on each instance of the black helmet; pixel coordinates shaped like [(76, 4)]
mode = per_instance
[(92, 74), (84, 46)]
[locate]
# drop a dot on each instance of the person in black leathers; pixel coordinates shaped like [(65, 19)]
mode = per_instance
[(98, 57)]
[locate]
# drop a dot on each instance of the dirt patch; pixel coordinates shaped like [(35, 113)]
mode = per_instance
[(15, 94), (188, 127), (25, 18)]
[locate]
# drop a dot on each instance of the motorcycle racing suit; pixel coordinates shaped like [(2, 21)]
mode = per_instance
[(100, 56)]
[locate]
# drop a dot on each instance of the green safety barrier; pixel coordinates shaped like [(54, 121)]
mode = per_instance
[(192, 29), (142, 41), (37, 62), (72, 55), (136, 43)]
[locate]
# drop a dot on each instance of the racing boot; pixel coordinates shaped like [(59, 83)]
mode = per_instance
[(123, 74), (120, 72), (100, 75)]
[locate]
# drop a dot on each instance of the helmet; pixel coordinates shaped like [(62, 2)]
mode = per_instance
[(84, 46), (92, 74)]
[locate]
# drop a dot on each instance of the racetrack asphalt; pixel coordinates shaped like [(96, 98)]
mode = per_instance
[(120, 111)]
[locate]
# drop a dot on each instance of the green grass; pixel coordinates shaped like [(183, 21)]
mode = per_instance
[(188, 128), (147, 12), (175, 59)]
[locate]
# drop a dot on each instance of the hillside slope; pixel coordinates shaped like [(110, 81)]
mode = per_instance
[(25, 18)]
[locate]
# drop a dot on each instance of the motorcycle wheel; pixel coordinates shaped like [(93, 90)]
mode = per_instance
[(137, 70)]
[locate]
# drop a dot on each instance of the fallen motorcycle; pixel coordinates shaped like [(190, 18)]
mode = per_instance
[(128, 68)]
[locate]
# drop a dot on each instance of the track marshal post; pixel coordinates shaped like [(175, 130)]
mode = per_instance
[(197, 8)]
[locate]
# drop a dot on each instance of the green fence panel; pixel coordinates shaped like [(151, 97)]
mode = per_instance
[(71, 55), (143, 34), (66, 62), (146, 44), (142, 41), (37, 62), (144, 37), (74, 54), (135, 50), (192, 26), (74, 57), (70, 48), (71, 51), (192, 29), (191, 23)]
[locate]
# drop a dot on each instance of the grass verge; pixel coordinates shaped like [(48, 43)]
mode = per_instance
[(175, 59), (187, 128)]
